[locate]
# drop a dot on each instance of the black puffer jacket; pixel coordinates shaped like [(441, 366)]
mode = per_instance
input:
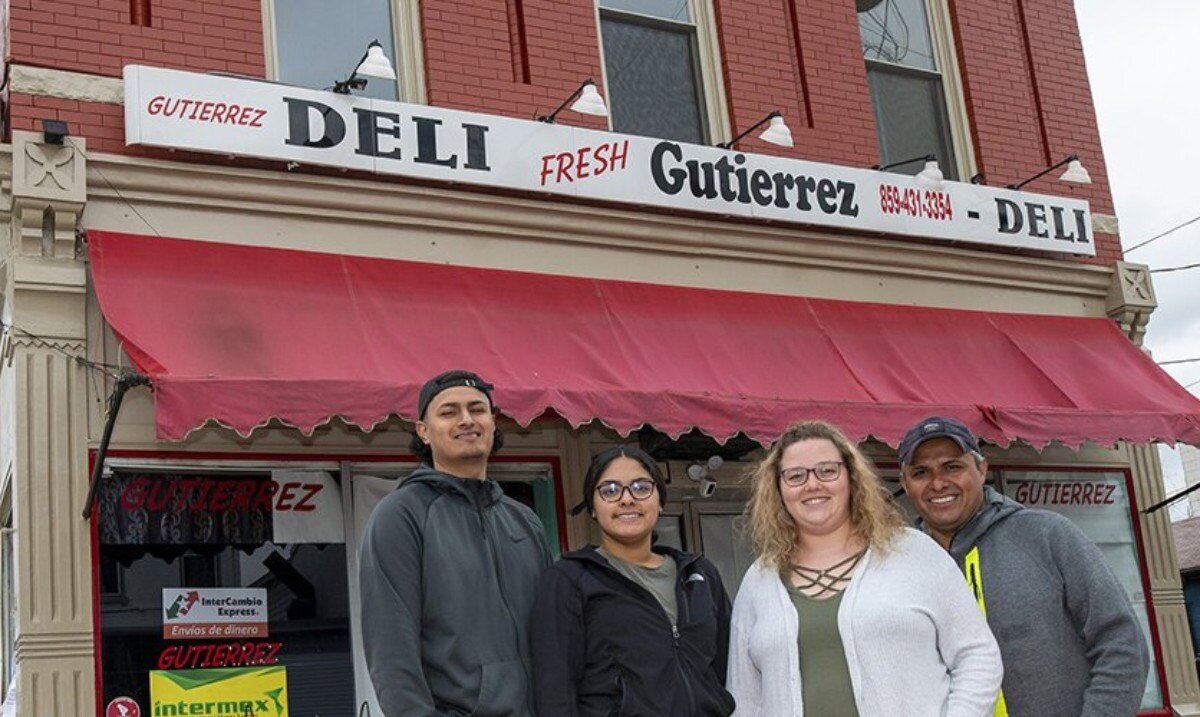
[(603, 646)]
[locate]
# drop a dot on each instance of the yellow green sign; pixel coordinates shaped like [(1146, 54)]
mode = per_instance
[(236, 692)]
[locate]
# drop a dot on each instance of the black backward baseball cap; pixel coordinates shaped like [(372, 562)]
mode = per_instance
[(450, 379), (937, 427)]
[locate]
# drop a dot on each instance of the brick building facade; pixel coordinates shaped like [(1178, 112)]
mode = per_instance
[(1006, 95)]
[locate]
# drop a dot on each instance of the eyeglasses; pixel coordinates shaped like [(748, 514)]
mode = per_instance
[(611, 491), (825, 471)]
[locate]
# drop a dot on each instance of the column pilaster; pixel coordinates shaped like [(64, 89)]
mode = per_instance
[(46, 307)]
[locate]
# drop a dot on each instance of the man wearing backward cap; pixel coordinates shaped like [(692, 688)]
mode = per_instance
[(448, 568)]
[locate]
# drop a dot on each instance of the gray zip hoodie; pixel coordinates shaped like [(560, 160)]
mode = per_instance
[(448, 570), (1067, 632)]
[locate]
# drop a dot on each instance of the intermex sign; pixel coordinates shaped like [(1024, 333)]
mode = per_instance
[(211, 113)]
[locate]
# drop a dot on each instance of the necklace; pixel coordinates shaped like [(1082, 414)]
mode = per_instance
[(833, 579)]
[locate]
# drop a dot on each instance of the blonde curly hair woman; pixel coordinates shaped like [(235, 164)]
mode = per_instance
[(846, 611)]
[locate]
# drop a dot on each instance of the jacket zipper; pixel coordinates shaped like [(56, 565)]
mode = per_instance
[(681, 606), (681, 602)]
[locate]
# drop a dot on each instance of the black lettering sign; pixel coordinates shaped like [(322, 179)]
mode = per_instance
[(427, 149), (333, 127), (369, 130)]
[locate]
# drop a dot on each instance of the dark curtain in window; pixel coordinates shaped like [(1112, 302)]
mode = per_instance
[(652, 80), (909, 112)]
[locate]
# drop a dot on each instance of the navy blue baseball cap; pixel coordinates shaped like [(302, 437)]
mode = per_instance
[(937, 427)]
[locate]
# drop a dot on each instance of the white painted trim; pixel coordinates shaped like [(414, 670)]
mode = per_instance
[(1105, 223), (711, 71), (941, 31), (45, 82)]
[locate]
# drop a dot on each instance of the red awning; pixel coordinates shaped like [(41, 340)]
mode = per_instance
[(240, 335)]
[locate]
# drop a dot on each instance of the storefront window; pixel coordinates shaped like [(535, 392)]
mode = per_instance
[(225, 592), (653, 69), (318, 43), (905, 78), (1099, 504)]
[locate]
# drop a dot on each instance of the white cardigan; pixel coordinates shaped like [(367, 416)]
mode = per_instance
[(915, 641)]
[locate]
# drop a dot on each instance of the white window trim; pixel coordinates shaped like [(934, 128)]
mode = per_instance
[(406, 33), (941, 31), (712, 74)]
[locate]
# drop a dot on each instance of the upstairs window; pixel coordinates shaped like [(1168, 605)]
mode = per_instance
[(655, 55), (906, 73), (314, 43)]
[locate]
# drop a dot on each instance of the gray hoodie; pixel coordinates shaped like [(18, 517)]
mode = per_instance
[(1067, 632), (448, 569)]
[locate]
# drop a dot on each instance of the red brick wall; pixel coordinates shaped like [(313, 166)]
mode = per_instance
[(1025, 83), (1017, 56), (98, 36)]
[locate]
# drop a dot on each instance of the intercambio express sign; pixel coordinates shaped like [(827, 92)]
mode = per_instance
[(214, 613), (232, 116)]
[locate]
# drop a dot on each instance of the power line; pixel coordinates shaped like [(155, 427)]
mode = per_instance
[(112, 187), (1186, 360), (1174, 268), (113, 372), (1193, 383), (1135, 247)]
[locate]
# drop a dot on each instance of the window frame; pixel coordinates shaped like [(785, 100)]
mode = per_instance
[(706, 54), (406, 34), (945, 57)]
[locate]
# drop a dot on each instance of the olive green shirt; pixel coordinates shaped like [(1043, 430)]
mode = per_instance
[(824, 674), (659, 582)]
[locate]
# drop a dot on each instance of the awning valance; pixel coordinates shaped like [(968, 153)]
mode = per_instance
[(241, 335)]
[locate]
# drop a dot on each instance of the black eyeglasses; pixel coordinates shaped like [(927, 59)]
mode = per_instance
[(825, 471), (611, 491)]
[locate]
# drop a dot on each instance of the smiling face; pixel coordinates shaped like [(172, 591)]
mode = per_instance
[(945, 486), (626, 520), (816, 508), (459, 428)]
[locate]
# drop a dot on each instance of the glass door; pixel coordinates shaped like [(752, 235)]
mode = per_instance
[(713, 528)]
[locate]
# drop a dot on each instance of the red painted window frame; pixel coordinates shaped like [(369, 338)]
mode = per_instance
[(553, 461)]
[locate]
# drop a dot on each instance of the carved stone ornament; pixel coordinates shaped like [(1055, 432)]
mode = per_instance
[(52, 172), (49, 189), (1131, 299)]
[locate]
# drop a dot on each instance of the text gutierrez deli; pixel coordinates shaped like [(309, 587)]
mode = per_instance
[(206, 113)]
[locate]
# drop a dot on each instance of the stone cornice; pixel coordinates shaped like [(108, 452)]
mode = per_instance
[(157, 183)]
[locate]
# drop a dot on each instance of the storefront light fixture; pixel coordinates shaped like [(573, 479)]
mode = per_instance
[(699, 472), (930, 177), (373, 64), (54, 131), (585, 100), (1074, 174), (776, 133)]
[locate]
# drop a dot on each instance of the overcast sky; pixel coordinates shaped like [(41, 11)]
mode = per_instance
[(1143, 64)]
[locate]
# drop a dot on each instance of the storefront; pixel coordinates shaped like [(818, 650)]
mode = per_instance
[(693, 299)]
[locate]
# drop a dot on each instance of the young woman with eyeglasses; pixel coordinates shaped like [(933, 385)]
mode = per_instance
[(846, 611), (628, 627)]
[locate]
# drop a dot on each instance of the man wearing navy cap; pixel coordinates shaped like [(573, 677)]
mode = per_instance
[(1070, 642), (448, 569)]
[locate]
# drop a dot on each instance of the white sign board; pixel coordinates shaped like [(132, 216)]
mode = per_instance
[(214, 613), (233, 116), (317, 520)]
